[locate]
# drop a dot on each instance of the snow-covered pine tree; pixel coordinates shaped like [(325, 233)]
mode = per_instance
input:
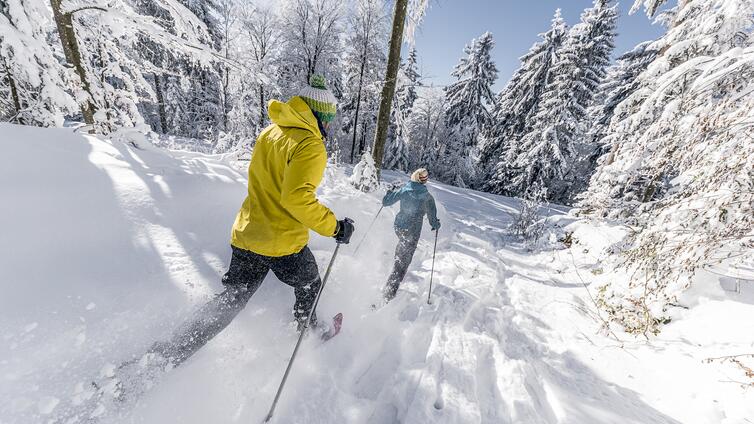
[(516, 106), (364, 176), (620, 82), (469, 101), (364, 63), (698, 32), (551, 151), (397, 151), (411, 80), (680, 166), (37, 87)]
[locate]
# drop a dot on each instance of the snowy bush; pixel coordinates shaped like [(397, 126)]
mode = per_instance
[(364, 175), (527, 224)]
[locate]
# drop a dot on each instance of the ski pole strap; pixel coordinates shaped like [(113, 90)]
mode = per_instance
[(301, 335)]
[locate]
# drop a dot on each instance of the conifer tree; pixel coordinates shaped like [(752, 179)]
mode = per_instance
[(469, 101), (549, 153), (516, 106), (397, 153), (698, 32), (409, 82), (620, 82)]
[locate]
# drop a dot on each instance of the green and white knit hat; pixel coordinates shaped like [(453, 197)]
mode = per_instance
[(321, 100)]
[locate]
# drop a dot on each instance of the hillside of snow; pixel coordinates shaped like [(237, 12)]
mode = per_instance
[(109, 244)]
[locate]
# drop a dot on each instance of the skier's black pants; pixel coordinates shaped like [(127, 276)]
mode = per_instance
[(404, 253), (245, 274)]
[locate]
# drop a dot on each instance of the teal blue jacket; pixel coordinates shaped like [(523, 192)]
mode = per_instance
[(415, 203)]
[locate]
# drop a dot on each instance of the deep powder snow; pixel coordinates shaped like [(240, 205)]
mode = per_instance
[(107, 245)]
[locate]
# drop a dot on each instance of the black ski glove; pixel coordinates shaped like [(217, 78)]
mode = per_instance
[(436, 226), (395, 186), (344, 230)]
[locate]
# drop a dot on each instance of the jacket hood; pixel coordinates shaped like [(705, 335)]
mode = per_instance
[(293, 114)]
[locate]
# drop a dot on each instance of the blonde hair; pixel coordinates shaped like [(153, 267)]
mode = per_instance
[(421, 175)]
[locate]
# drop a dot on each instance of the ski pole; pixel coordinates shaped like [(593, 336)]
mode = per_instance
[(301, 336), (368, 230), (432, 273)]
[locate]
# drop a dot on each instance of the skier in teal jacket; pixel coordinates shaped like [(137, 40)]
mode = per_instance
[(415, 203)]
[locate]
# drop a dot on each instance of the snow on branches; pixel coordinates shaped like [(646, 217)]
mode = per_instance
[(38, 86), (364, 175), (516, 106), (469, 101), (551, 151), (680, 167)]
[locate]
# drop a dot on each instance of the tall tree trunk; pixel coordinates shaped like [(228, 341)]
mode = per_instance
[(363, 138), (14, 93), (160, 103), (262, 114), (64, 23), (358, 106), (105, 102), (388, 90), (226, 102)]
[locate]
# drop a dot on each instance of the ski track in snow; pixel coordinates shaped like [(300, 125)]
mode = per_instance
[(505, 339)]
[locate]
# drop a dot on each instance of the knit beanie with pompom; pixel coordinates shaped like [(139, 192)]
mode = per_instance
[(320, 100)]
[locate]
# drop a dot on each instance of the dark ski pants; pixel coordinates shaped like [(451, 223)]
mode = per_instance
[(404, 253), (245, 274)]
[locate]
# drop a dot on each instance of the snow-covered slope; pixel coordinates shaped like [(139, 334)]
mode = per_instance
[(108, 245)]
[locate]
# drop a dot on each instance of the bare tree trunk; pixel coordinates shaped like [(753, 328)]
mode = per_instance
[(388, 90), (105, 103), (363, 139), (358, 106), (262, 115), (226, 101), (14, 94), (160, 103), (64, 23)]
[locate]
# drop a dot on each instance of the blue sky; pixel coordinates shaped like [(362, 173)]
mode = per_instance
[(451, 24)]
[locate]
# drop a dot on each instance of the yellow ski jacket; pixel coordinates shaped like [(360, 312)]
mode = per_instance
[(286, 167)]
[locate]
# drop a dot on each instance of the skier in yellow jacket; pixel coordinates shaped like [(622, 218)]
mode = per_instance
[(271, 230)]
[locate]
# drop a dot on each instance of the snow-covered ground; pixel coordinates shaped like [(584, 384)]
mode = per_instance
[(108, 245)]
